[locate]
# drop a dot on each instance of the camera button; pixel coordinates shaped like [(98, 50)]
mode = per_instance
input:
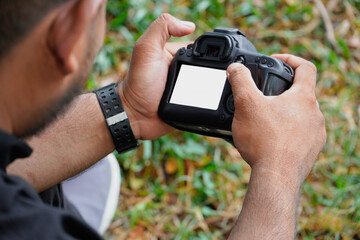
[(270, 64), (182, 51), (222, 117), (189, 53), (230, 104), (257, 59), (264, 61), (240, 59)]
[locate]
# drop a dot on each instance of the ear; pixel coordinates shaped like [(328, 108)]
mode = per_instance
[(69, 26)]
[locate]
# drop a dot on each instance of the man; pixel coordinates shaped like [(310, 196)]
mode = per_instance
[(46, 51)]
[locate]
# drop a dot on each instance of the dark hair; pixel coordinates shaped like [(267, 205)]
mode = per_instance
[(19, 17)]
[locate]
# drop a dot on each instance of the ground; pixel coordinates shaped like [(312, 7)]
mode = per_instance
[(186, 186)]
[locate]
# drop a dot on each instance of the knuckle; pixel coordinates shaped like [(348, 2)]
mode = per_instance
[(324, 136), (322, 126), (311, 98), (138, 44), (240, 71), (322, 121), (311, 66), (161, 20), (164, 17)]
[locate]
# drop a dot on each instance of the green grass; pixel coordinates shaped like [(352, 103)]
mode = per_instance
[(185, 186)]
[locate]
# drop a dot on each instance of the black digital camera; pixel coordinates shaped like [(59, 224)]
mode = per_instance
[(198, 96)]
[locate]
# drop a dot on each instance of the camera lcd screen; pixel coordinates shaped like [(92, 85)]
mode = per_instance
[(200, 87)]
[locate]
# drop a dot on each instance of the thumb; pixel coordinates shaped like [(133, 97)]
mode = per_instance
[(163, 28), (242, 83)]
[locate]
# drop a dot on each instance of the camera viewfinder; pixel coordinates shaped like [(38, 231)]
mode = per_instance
[(213, 51)]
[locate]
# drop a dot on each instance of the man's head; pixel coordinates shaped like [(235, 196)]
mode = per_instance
[(47, 48)]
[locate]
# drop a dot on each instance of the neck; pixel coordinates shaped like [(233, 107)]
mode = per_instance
[(5, 120), (9, 99)]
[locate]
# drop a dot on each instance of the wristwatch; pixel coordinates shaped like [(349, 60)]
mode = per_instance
[(116, 118)]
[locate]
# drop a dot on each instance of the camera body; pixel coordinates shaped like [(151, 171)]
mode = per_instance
[(198, 96)]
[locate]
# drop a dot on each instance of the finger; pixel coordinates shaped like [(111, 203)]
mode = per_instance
[(173, 47), (305, 71), (163, 28), (292, 60), (242, 83)]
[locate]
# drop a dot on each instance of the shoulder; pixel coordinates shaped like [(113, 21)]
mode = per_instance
[(23, 215)]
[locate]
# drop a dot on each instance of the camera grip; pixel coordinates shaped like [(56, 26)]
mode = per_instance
[(275, 85)]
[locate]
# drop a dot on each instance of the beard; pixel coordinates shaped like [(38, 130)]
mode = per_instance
[(52, 112), (60, 105)]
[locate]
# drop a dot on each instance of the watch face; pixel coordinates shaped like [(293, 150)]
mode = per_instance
[(199, 87)]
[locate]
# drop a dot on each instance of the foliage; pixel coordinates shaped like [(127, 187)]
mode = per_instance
[(185, 186)]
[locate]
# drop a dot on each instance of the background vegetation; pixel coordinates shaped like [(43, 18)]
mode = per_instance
[(186, 186)]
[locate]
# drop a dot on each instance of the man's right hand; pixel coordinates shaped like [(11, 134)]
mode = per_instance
[(281, 135)]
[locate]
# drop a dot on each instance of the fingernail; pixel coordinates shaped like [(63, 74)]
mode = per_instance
[(232, 67), (188, 24)]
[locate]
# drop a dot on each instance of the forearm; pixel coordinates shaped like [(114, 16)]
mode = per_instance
[(269, 209), (77, 140)]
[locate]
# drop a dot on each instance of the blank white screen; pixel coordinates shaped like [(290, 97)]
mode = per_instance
[(199, 87)]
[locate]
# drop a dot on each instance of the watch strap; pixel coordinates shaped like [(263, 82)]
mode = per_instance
[(116, 118)]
